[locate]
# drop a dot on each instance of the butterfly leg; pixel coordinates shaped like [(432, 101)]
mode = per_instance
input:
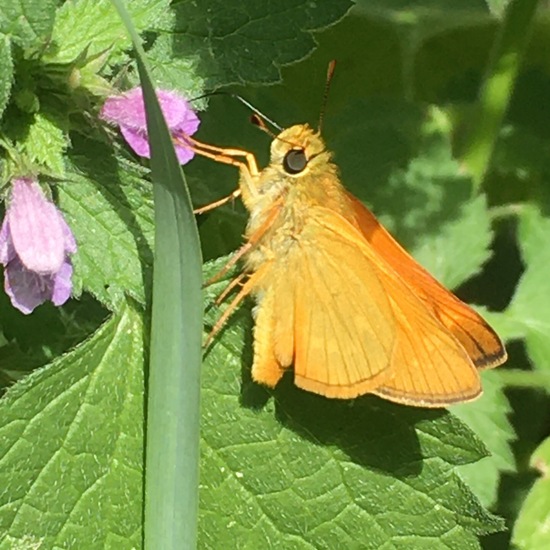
[(220, 202), (247, 167), (222, 154), (235, 282), (247, 288)]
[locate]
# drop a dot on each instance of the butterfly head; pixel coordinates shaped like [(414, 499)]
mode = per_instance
[(298, 150)]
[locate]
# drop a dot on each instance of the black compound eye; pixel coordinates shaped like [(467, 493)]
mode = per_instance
[(295, 161)]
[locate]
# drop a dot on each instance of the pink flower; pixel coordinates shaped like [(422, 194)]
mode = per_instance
[(128, 112), (35, 243)]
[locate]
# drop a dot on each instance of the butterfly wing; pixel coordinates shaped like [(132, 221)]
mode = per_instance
[(479, 340), (429, 366), (326, 312)]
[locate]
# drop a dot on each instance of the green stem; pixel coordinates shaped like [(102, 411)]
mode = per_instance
[(525, 378), (497, 88)]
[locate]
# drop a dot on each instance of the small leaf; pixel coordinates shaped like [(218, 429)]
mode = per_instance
[(528, 314), (531, 530), (488, 418), (498, 7), (93, 26), (28, 22), (45, 143)]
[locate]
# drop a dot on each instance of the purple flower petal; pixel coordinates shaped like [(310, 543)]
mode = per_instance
[(69, 240), (178, 113), (35, 242), (26, 289), (128, 111), (137, 140), (62, 284), (35, 227), (7, 252), (183, 153)]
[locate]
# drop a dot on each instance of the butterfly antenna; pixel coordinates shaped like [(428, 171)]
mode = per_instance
[(244, 102), (259, 122), (330, 73), (258, 113)]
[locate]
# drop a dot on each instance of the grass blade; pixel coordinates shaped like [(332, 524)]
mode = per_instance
[(172, 447)]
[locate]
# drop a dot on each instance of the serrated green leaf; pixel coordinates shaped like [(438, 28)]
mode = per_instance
[(462, 247), (108, 205), (45, 143), (311, 472), (488, 418), (71, 449), (533, 234), (248, 42), (528, 315), (531, 529), (28, 22), (93, 26), (174, 73), (6, 72)]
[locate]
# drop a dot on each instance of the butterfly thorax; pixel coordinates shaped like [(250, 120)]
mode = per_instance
[(281, 197)]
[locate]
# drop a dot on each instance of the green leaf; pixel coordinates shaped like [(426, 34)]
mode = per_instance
[(311, 472), (108, 205), (71, 446), (248, 42), (174, 73), (531, 529), (6, 72), (45, 143), (93, 26), (528, 314), (533, 233), (28, 22), (488, 418)]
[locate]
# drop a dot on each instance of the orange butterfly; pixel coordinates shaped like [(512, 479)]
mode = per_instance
[(337, 297)]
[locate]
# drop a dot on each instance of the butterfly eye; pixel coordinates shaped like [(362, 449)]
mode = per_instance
[(295, 161)]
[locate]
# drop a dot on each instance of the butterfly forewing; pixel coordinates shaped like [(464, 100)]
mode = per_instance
[(478, 339)]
